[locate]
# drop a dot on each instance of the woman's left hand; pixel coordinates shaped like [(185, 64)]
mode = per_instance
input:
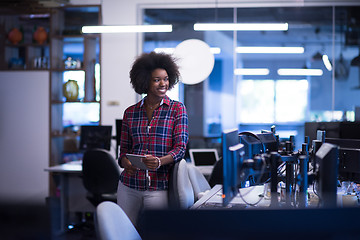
[(151, 162)]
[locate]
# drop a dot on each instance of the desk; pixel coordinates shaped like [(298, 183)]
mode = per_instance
[(256, 223), (259, 224), (250, 195), (72, 196), (71, 167)]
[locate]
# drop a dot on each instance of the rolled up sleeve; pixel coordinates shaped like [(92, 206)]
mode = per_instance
[(180, 133)]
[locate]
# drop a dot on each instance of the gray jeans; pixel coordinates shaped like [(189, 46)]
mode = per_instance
[(133, 201)]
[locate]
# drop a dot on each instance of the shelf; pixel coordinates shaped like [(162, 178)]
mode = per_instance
[(60, 135), (26, 45), (61, 37), (77, 57), (25, 56), (80, 101), (24, 69), (37, 69), (56, 134), (67, 69)]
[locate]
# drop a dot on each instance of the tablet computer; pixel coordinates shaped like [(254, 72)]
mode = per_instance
[(136, 160)]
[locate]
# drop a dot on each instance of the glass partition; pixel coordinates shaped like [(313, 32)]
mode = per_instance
[(252, 90)]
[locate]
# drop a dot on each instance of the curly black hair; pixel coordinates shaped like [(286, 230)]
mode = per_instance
[(146, 63)]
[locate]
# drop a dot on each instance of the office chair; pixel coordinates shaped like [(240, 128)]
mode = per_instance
[(100, 176), (180, 192), (216, 176), (111, 223), (118, 125), (198, 182)]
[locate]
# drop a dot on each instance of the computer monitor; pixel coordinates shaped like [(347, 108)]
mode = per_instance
[(350, 130), (268, 141), (231, 164), (344, 130), (203, 156), (349, 165), (349, 158), (95, 137), (344, 143), (204, 159), (236, 160), (327, 157), (258, 143), (331, 129), (252, 144)]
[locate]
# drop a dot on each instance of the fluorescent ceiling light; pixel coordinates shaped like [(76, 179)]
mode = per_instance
[(241, 27), (299, 72), (214, 50), (127, 28), (252, 71), (297, 50), (164, 50), (326, 62)]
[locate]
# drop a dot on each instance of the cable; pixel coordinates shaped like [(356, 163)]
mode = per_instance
[(315, 192), (251, 204), (262, 196), (281, 165)]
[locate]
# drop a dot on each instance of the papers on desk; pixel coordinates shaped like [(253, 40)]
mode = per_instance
[(233, 206), (249, 196), (254, 194)]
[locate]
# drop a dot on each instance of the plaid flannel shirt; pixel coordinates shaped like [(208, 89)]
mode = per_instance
[(167, 133)]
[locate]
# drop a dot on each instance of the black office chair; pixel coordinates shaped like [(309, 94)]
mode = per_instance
[(100, 176), (118, 125), (216, 176)]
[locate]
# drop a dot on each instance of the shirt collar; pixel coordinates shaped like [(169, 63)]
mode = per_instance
[(165, 100)]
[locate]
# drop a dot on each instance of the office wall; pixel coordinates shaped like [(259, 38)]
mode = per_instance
[(118, 51), (24, 116), (24, 136)]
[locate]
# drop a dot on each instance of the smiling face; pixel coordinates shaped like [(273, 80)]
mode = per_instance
[(159, 83)]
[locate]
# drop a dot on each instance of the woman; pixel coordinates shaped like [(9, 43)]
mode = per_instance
[(156, 127)]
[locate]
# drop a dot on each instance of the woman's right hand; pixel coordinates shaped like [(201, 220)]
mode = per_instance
[(129, 168)]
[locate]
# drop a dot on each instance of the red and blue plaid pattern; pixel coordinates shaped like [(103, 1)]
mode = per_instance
[(167, 133)]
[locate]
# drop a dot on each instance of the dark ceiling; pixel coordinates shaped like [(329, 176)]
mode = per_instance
[(307, 25), (293, 15), (20, 6), (35, 10)]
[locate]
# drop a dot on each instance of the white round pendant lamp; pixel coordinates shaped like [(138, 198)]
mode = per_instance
[(195, 60)]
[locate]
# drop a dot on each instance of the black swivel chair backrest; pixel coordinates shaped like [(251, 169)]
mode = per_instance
[(100, 175), (118, 124), (216, 176)]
